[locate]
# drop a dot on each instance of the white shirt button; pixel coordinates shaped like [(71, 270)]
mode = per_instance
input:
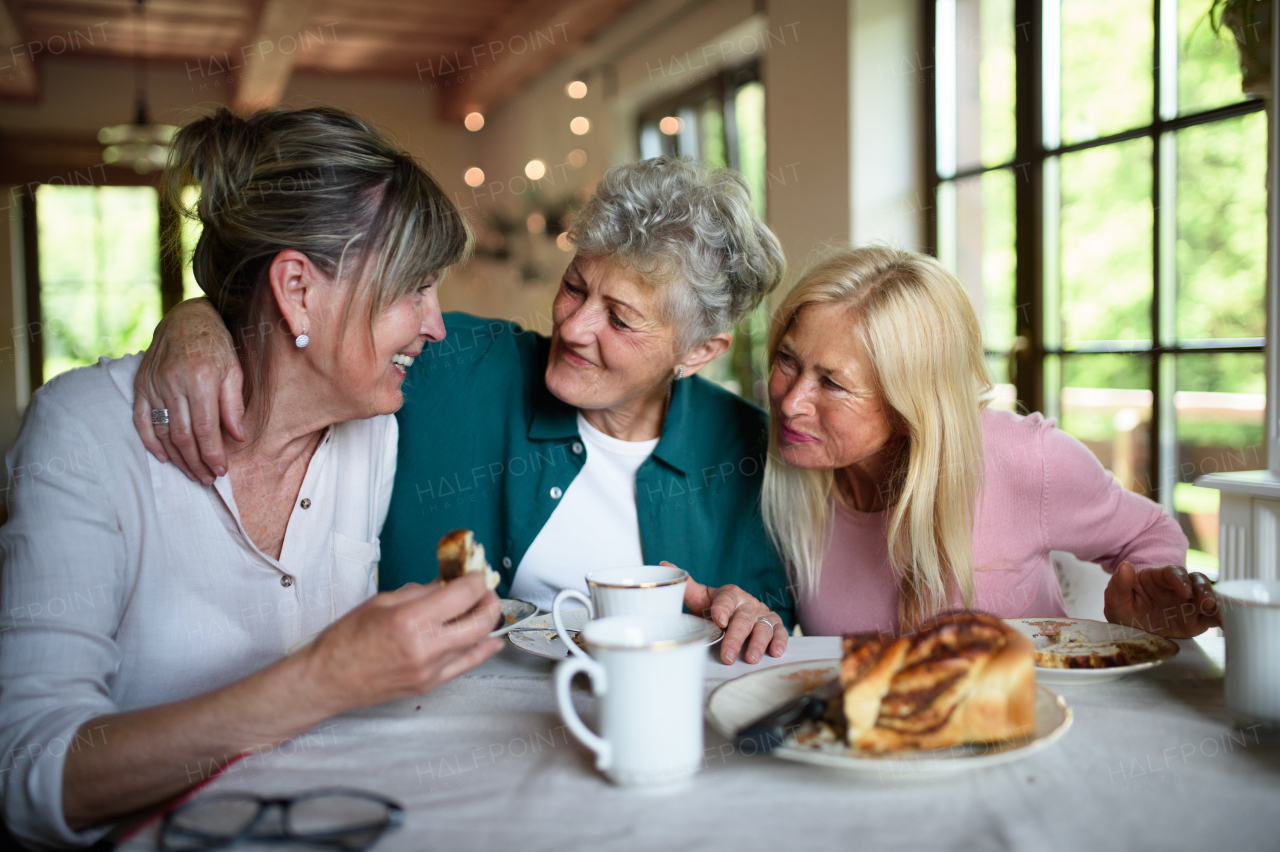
[(556, 492), (577, 448), (306, 502), (506, 562), (286, 581)]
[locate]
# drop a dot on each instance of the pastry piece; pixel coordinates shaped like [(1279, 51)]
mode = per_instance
[(459, 553), (1071, 649), (960, 678)]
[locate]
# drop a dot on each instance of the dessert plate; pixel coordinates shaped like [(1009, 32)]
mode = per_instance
[(737, 703), (1042, 630), (538, 636), (514, 614)]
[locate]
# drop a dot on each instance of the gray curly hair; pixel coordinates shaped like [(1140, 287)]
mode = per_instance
[(672, 220)]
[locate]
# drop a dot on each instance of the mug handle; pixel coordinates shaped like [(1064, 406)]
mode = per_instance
[(561, 597), (599, 685)]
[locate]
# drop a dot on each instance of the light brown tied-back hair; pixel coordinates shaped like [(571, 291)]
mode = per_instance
[(925, 344), (321, 181)]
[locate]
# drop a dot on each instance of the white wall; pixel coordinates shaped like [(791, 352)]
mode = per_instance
[(888, 74), (807, 105)]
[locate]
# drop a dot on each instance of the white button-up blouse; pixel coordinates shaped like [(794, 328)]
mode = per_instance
[(127, 585)]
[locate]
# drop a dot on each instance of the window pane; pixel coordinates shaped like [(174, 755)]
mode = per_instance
[(190, 230), (712, 117), (651, 142), (1220, 404), (1208, 62), (687, 139), (1106, 403), (1106, 244), (1107, 85), (1222, 228), (976, 125), (1004, 394), (99, 272), (748, 106), (996, 81), (981, 252)]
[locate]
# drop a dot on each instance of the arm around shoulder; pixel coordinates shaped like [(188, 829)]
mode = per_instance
[(191, 373)]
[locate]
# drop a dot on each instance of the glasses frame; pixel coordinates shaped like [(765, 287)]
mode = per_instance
[(326, 840)]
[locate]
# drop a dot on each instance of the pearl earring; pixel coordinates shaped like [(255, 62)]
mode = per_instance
[(679, 373), (302, 339)]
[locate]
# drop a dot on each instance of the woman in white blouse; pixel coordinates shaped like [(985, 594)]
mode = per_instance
[(147, 616)]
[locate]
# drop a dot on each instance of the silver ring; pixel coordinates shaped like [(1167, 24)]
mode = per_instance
[(160, 416), (766, 620)]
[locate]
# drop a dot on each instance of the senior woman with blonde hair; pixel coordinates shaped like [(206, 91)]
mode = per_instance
[(179, 599), (598, 446), (895, 492)]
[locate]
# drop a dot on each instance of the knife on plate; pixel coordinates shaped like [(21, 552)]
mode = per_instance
[(768, 731)]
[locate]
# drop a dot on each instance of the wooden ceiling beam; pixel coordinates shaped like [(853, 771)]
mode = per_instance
[(530, 39), (17, 71), (268, 64)]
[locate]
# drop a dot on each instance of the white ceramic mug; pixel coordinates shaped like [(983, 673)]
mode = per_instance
[(1250, 611), (629, 590), (648, 672)]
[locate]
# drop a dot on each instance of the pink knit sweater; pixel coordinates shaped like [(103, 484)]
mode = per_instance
[(1044, 491)]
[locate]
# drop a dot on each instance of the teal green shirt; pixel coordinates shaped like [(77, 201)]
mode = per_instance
[(484, 445)]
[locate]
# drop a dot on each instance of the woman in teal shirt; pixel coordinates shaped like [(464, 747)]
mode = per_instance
[(597, 446)]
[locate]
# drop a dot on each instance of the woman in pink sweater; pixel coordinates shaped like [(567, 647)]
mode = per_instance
[(894, 492)]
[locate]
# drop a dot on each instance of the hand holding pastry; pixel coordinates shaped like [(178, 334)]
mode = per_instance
[(401, 643)]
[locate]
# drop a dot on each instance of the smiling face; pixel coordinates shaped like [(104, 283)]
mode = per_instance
[(610, 347), (823, 396), (366, 368)]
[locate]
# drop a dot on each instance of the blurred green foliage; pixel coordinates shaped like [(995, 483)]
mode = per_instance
[(1106, 219), (1208, 62), (99, 272), (997, 81), (1106, 67), (1106, 213), (1222, 236)]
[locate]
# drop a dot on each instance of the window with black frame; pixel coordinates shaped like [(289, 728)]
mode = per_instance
[(1099, 175), (721, 122)]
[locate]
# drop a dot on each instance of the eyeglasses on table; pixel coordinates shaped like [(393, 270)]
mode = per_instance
[(330, 818)]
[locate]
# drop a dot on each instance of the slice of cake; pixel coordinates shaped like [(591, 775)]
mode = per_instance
[(1071, 649), (459, 553), (961, 678)]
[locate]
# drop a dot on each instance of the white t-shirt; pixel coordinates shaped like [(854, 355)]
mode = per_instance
[(595, 525)]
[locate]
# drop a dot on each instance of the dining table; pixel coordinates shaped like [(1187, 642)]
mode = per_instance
[(1152, 761)]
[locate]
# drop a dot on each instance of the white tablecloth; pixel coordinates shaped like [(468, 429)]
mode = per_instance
[(1152, 762)]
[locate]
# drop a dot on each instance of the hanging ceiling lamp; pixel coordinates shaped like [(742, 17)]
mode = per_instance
[(141, 146)]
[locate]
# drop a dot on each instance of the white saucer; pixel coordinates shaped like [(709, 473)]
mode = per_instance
[(538, 635)]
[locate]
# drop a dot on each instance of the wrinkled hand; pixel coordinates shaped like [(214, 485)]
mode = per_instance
[(191, 369), (402, 643), (1167, 601), (739, 615)]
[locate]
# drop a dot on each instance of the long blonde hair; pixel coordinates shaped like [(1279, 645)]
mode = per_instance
[(925, 344)]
